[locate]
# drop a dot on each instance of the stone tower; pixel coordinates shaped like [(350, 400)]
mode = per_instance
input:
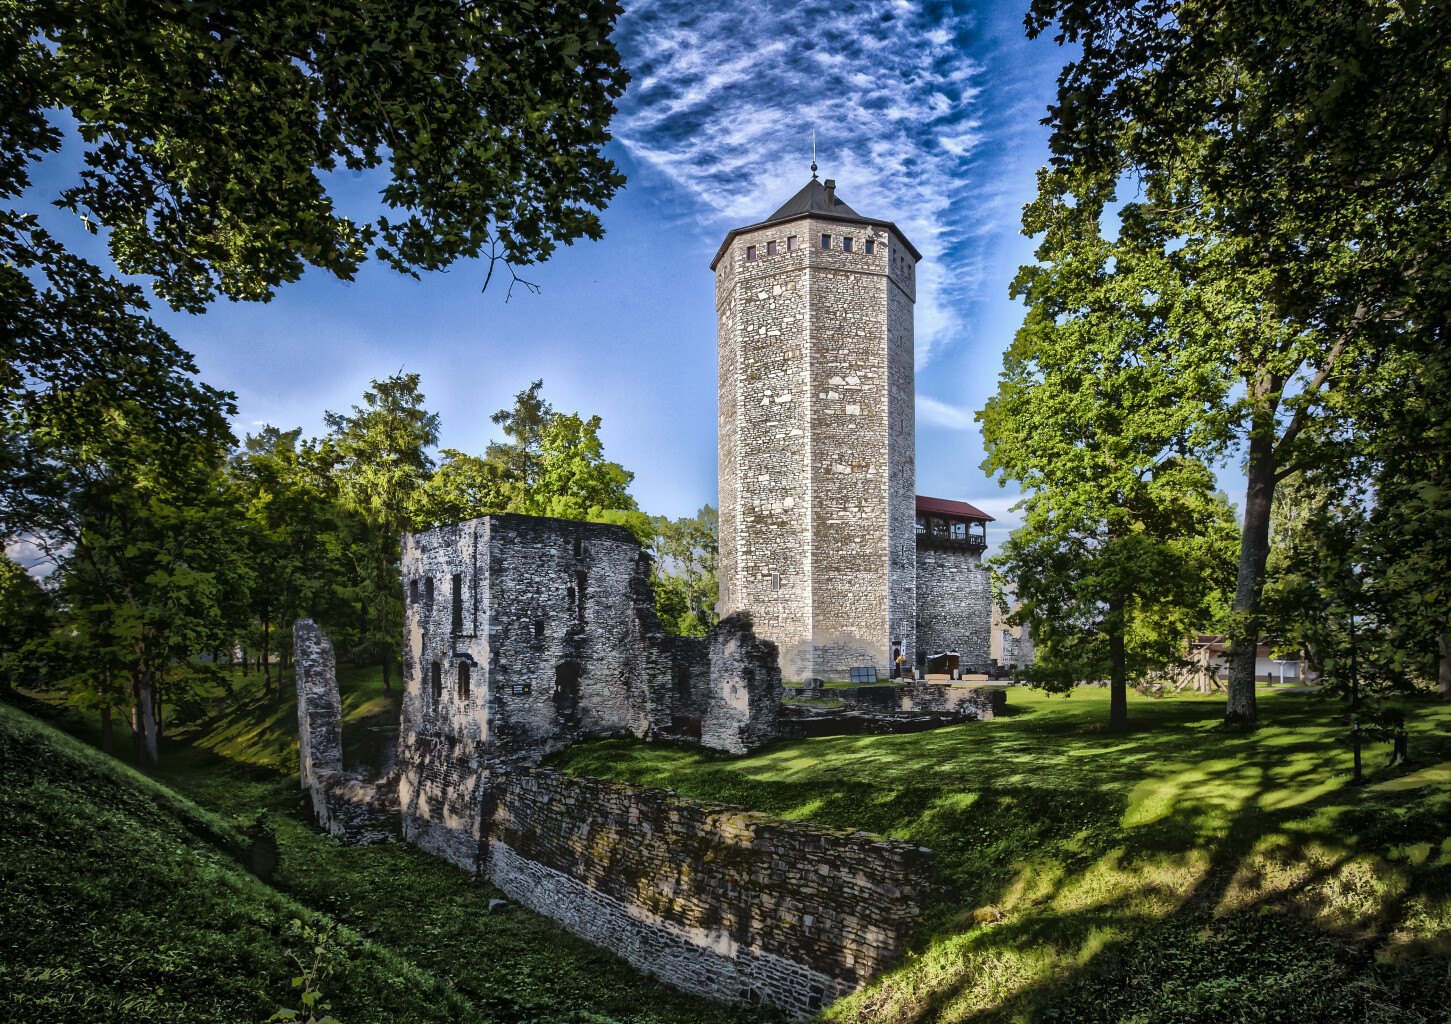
[(817, 458)]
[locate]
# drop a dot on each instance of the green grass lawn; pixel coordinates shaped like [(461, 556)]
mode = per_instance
[(1177, 873), (429, 918)]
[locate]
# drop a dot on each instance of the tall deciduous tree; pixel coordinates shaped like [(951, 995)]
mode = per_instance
[(687, 585), (382, 457), (1124, 540), (1293, 162)]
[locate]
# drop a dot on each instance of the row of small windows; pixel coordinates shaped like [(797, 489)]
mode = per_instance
[(458, 597), (869, 246), (950, 529), (436, 681)]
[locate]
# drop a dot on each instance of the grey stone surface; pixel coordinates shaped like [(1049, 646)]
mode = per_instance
[(816, 432), (954, 606), (345, 804), (713, 899)]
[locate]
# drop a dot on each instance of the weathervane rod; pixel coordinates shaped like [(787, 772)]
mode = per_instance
[(813, 154)]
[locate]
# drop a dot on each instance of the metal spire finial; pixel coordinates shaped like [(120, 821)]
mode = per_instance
[(813, 154)]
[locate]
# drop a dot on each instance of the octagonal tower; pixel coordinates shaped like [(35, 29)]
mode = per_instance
[(816, 432)]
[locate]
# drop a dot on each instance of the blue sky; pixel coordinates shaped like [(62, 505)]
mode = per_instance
[(925, 113)]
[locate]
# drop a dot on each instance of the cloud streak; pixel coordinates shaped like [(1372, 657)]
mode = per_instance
[(725, 97), (940, 414)]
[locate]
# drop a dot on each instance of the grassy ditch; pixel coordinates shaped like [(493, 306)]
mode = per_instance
[(125, 894), (1178, 873)]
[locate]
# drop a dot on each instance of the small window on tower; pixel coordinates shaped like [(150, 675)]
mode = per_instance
[(750, 252), (775, 581), (792, 244), (826, 241), (869, 246), (921, 524), (770, 248), (846, 245), (413, 592), (463, 681)]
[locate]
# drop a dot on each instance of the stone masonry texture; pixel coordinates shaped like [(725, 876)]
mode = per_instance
[(346, 805), (714, 899), (954, 606), (817, 423)]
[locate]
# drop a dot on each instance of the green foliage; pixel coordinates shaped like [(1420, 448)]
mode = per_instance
[(1125, 542), (380, 458), (208, 131), (320, 945), (687, 587), (1290, 168), (27, 618)]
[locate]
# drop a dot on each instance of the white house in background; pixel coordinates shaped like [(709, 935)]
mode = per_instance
[(1268, 669)]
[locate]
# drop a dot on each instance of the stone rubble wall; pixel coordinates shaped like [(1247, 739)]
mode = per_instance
[(954, 606), (348, 806), (745, 704), (719, 901)]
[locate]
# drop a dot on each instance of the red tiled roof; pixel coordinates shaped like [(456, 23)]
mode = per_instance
[(952, 508)]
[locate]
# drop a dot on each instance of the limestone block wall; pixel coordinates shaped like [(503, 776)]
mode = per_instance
[(716, 900), (348, 806), (954, 605), (319, 705), (817, 475), (525, 634), (744, 709)]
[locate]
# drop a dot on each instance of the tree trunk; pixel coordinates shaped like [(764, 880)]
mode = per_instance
[(148, 718), (108, 736), (138, 725), (1118, 680), (266, 659), (387, 673), (1254, 551), (1354, 701), (1443, 684)]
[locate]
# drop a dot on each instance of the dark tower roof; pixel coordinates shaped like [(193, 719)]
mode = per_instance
[(813, 198), (818, 200)]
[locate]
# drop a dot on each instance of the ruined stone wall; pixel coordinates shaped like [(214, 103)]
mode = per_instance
[(349, 806), (954, 606), (556, 626), (713, 899), (816, 444), (744, 703)]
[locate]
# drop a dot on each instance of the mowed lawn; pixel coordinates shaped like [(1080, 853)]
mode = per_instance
[(1176, 873)]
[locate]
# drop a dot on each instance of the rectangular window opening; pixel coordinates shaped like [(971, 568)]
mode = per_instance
[(458, 602), (775, 581), (428, 589), (750, 252), (826, 241), (579, 547), (413, 591), (792, 243), (463, 681), (869, 246), (579, 581), (538, 629), (770, 248), (846, 245)]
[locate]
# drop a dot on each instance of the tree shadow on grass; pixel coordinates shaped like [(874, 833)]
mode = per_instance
[(1223, 902)]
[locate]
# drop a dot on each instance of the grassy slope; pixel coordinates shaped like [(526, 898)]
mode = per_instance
[(419, 909), (121, 902), (1175, 874)]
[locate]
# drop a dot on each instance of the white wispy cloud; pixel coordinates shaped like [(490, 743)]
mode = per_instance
[(941, 414), (725, 97)]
